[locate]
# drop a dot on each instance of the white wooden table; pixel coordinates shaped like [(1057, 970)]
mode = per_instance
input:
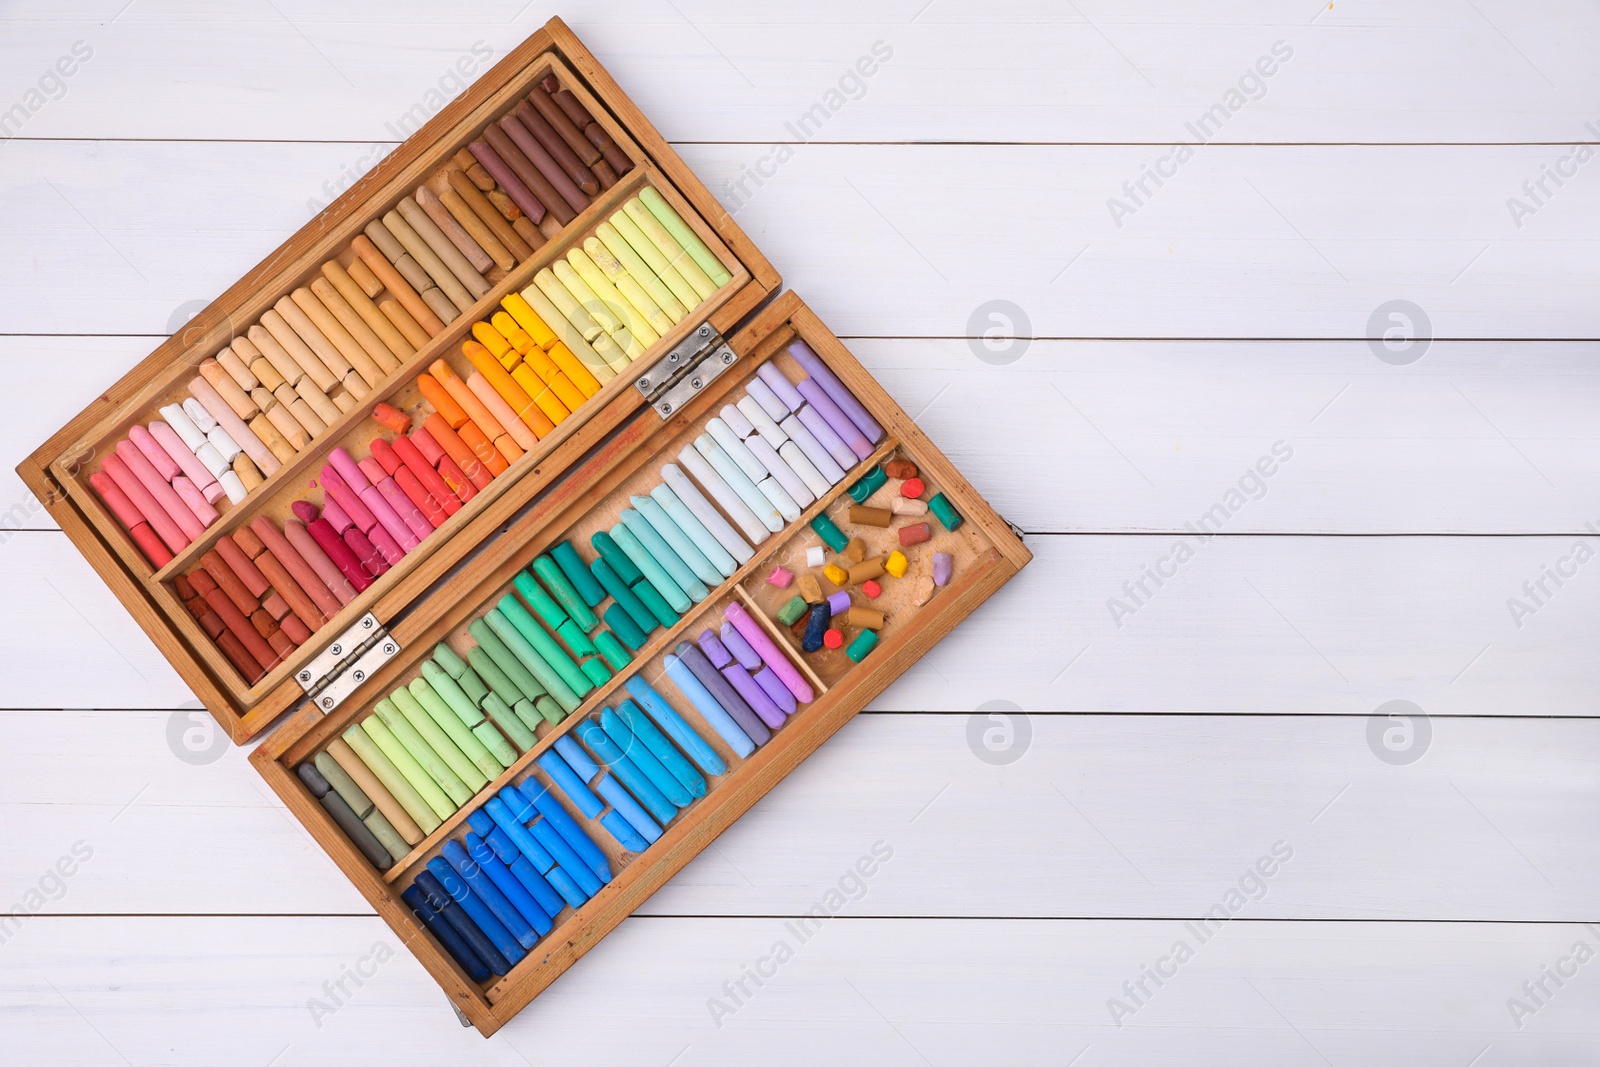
[(1172, 743)]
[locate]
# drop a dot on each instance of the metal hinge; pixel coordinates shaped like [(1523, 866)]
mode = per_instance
[(352, 658), (674, 379)]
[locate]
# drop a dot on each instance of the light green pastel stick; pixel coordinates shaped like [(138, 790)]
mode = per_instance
[(520, 733), (528, 714), (440, 740), (386, 834), (404, 724), (685, 236), (403, 761), (543, 604), (659, 265), (490, 672), (344, 785), (535, 663), (446, 657), (510, 666), (676, 254), (640, 272), (453, 695), (653, 572), (398, 785), (656, 517), (471, 748), (493, 740), (473, 686), (546, 646), (550, 710)]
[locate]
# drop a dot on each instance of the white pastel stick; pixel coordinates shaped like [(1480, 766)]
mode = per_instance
[(709, 516), (816, 556), (730, 442), (729, 499), (225, 445), (183, 426), (791, 482), (735, 421), (741, 483), (762, 422), (797, 460), (229, 480), (776, 409), (203, 420), (813, 450), (234, 432)]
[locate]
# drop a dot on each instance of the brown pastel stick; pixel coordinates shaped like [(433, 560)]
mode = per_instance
[(228, 582), (264, 429), (569, 104), (249, 474), (463, 158), (413, 243), (279, 548), (243, 567), (408, 326), (504, 205), (864, 618), (304, 609), (280, 642), (557, 149), (536, 153), (530, 176), (458, 236), (239, 626), (604, 174), (325, 351), (529, 232), (342, 399), (184, 588), (248, 542), (258, 346), (263, 623), (602, 140), (247, 665), (488, 214), (381, 798), (440, 303), (867, 568), (398, 287), (480, 177), (393, 341), (499, 255), (266, 373), (295, 532), (443, 250), (569, 131), (380, 360), (861, 515), (352, 355), (237, 399), (362, 275)]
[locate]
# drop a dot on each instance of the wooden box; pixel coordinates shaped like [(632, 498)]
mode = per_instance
[(575, 482)]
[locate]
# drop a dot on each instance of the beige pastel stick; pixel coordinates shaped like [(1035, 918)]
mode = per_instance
[(308, 419), (377, 353), (315, 400), (457, 234), (418, 249), (292, 343), (342, 399), (262, 427), (237, 369), (363, 276), (392, 339), (282, 418), (496, 223), (268, 347), (479, 231), (384, 800), (247, 472), (448, 254), (260, 365), (402, 290), (228, 389), (355, 356), (408, 326), (441, 304), (328, 352)]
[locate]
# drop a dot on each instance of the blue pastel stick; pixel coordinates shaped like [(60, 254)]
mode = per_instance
[(624, 804), (561, 772), (567, 860), (439, 899), (624, 769), (517, 832), (703, 538), (484, 889), (477, 910), (707, 705), (445, 934), (519, 865), (640, 755), (567, 827), (577, 758), (621, 829), (656, 741), (668, 719), (571, 884), (682, 545), (507, 883)]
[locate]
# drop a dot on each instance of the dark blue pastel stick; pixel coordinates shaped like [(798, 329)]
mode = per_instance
[(667, 717), (621, 829), (567, 827), (566, 859), (656, 741), (622, 800), (514, 829), (439, 899), (477, 910), (445, 934), (639, 754), (525, 872), (513, 890), (478, 880), (577, 758), (562, 876), (638, 784), (561, 772)]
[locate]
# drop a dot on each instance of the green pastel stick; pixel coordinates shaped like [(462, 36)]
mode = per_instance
[(528, 714), (495, 742), (577, 572), (423, 785), (471, 748), (831, 535), (548, 649), (556, 581), (865, 642), (870, 483), (438, 734), (551, 711), (637, 527), (386, 834), (398, 785), (346, 787), (684, 546), (625, 628), (576, 640), (680, 231), (641, 615), (654, 603), (490, 672), (458, 700), (529, 656), (596, 670), (446, 657), (510, 666), (944, 511), (790, 613), (427, 745), (543, 604), (642, 563), (612, 553), (515, 727), (615, 652), (472, 685)]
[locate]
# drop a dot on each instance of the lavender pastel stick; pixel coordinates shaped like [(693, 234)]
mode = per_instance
[(753, 695), (734, 641), (753, 633), (841, 453), (725, 694), (813, 365), (706, 704), (768, 401), (823, 404), (715, 651), (780, 385), (776, 690)]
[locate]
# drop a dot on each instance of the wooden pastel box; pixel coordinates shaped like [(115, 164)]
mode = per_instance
[(901, 558)]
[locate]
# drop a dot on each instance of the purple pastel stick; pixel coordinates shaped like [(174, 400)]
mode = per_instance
[(842, 453), (839, 602), (712, 646), (780, 384), (943, 567), (753, 633), (767, 400), (754, 695), (846, 400), (775, 690), (823, 404), (735, 643)]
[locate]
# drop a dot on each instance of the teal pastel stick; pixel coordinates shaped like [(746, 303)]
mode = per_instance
[(623, 769), (555, 580), (622, 623), (652, 738), (664, 554), (543, 604), (623, 595), (612, 553), (576, 640), (505, 666), (577, 573), (707, 705), (615, 652), (546, 646), (654, 604), (703, 539), (682, 544), (554, 683), (645, 565), (637, 751), (596, 670), (667, 717)]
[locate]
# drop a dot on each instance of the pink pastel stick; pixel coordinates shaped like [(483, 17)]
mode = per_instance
[(126, 511), (194, 500), (348, 469), (148, 506), (234, 427), (153, 452), (301, 540), (388, 521), (341, 492), (365, 551), (385, 543), (396, 498), (758, 639), (336, 516), (193, 469), (157, 487)]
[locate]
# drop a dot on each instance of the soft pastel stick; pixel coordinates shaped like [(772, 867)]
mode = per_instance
[(495, 662), (425, 473), (782, 388), (456, 451), (476, 909), (445, 933), (538, 651), (569, 865), (131, 518), (508, 810), (422, 785), (521, 867), (707, 706), (639, 271), (735, 643), (160, 490), (732, 501), (234, 427), (444, 733), (361, 747), (567, 780), (299, 569), (572, 565), (616, 731), (776, 690), (708, 515), (157, 516), (577, 758), (836, 419), (407, 727), (752, 694), (303, 543), (649, 569), (670, 546), (450, 906), (725, 694), (660, 264), (478, 880), (669, 247), (574, 603), (669, 218), (184, 456), (647, 733), (843, 397), (679, 517), (761, 419), (625, 597), (758, 639), (509, 885), (389, 491), (793, 485), (756, 497), (622, 803), (626, 771), (336, 549), (618, 826), (567, 827), (752, 467), (461, 733), (819, 457)]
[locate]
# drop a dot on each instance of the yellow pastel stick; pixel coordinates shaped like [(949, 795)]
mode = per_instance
[(630, 289), (569, 334), (635, 320), (516, 335), (543, 369), (525, 317), (490, 338), (574, 369), (639, 270), (676, 254), (542, 395)]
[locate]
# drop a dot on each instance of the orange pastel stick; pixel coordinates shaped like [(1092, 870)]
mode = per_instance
[(456, 450), (436, 394), (475, 409), (483, 448), (521, 403)]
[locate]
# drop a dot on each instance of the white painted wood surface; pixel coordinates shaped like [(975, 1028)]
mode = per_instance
[(1228, 712)]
